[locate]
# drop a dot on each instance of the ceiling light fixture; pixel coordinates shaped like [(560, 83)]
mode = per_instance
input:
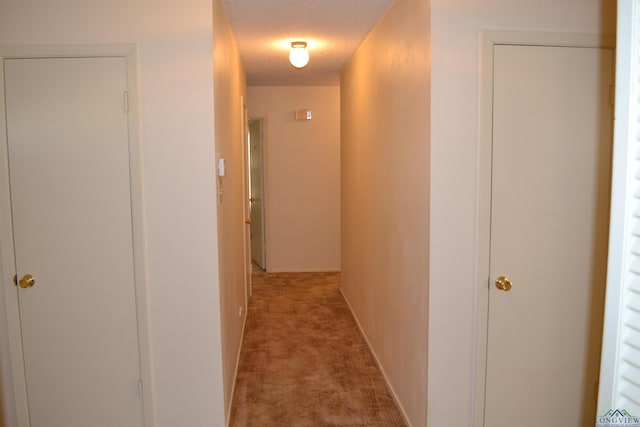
[(299, 57)]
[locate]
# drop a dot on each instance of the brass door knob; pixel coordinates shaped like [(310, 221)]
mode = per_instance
[(27, 281), (503, 284), (248, 222)]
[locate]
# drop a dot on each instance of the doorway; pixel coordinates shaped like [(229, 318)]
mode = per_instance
[(548, 215), (257, 201), (76, 341)]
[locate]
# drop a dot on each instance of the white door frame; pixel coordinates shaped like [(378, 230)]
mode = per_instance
[(491, 38), (14, 398)]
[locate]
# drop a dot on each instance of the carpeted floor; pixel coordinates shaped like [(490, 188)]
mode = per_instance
[(304, 361)]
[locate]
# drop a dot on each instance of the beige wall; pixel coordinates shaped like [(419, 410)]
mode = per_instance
[(454, 284), (175, 68), (385, 196), (230, 91), (302, 176)]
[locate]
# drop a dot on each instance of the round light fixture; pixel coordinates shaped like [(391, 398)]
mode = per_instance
[(299, 57)]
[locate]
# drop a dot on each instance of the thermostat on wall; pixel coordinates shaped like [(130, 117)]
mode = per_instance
[(303, 114)]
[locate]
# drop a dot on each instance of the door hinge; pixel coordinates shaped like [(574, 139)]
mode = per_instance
[(15, 279), (125, 101), (612, 95), (140, 389)]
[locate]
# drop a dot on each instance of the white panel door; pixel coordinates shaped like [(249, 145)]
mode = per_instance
[(71, 210), (549, 219)]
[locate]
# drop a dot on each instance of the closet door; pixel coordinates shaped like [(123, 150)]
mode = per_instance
[(68, 151), (549, 226)]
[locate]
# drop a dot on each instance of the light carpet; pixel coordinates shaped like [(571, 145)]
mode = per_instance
[(303, 360)]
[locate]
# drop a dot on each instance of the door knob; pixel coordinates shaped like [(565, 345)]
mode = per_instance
[(503, 284), (248, 222), (27, 281)]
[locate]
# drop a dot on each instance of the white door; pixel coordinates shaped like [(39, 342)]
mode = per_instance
[(549, 219), (256, 171), (71, 210)]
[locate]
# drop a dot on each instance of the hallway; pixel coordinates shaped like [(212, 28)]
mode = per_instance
[(303, 360)]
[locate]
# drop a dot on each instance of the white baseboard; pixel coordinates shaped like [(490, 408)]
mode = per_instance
[(375, 357)]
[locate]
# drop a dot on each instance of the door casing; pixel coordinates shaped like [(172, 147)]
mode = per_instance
[(490, 38), (15, 395)]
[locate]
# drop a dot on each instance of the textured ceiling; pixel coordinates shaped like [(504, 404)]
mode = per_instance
[(333, 29)]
